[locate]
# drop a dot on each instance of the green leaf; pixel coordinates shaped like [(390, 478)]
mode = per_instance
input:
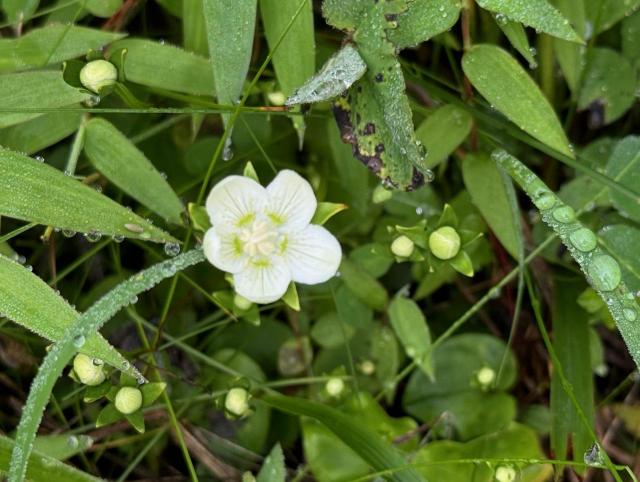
[(517, 35), (51, 45), (230, 40), (103, 8), (570, 340), (329, 331), (164, 66), (41, 132), (19, 11), (62, 447), (363, 285), (623, 243), (424, 20), (507, 86), (326, 211), (570, 55), (610, 81), (273, 468), (43, 467), (538, 14), (35, 90), (151, 392), (199, 217), (359, 437), (603, 14), (494, 196), (136, 419), (30, 302), (410, 326), (127, 167), (630, 33), (624, 167), (36, 192), (376, 258), (443, 131)]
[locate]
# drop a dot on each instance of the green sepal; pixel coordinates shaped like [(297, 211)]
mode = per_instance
[(136, 419), (416, 233), (250, 172), (326, 211), (107, 416), (461, 262), (448, 217), (199, 217), (291, 298), (91, 394), (151, 391)]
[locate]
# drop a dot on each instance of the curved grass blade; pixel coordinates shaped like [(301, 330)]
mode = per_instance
[(366, 443), (30, 302), (39, 133), (62, 352), (36, 192), (127, 167), (602, 271)]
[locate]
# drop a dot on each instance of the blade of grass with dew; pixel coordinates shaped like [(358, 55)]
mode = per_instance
[(367, 444), (30, 302), (39, 133), (34, 191), (72, 338), (120, 161), (602, 271)]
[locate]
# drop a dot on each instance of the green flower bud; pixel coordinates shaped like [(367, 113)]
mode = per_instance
[(237, 402), (88, 370), (367, 367), (241, 302), (505, 474), (402, 247), (444, 242), (128, 400), (276, 98), (98, 74), (485, 376), (380, 195), (334, 387)]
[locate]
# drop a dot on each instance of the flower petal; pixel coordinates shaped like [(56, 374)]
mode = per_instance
[(291, 202), (263, 282), (233, 201), (313, 255), (224, 251)]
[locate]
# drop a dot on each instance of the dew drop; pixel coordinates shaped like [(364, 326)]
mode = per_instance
[(39, 158), (419, 211), (429, 176), (133, 300), (134, 228), (172, 249), (604, 272), (564, 214), (118, 238), (227, 151), (630, 314), (544, 199), (163, 175), (79, 341), (583, 239), (125, 365), (68, 233), (593, 456), (93, 236), (73, 442)]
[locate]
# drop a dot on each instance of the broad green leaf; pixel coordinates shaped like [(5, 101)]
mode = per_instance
[(538, 14), (424, 20), (273, 468), (376, 258), (34, 191), (571, 341), (19, 11), (609, 81), (30, 302), (507, 86), (35, 90), (41, 132), (623, 243), (410, 326), (164, 66), (630, 33), (570, 55), (230, 39), (364, 441), (50, 45), (516, 441), (369, 290), (62, 447), (127, 167), (517, 35), (330, 331), (603, 14), (43, 467), (624, 167), (494, 196), (474, 409), (602, 271), (443, 131)]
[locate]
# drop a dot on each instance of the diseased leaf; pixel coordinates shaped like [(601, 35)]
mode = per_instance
[(36, 192), (35, 90), (442, 132), (50, 45), (624, 166), (538, 14), (424, 20), (127, 167), (507, 86), (41, 132)]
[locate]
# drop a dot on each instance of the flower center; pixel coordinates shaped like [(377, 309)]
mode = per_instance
[(259, 239)]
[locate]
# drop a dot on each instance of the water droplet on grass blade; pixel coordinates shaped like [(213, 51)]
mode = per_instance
[(564, 214), (79, 341), (583, 239), (604, 272), (73, 442), (172, 249)]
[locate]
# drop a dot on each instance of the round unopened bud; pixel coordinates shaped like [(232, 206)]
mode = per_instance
[(128, 400), (444, 242), (402, 247), (276, 98), (87, 370), (380, 195), (237, 401), (505, 474), (367, 367), (241, 302), (485, 376), (98, 74), (334, 387)]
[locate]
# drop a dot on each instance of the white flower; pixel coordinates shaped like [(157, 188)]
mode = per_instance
[(263, 237)]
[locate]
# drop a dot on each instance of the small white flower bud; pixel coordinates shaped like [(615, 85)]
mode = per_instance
[(444, 242), (98, 74), (402, 247), (367, 367), (237, 401), (128, 400), (380, 195), (241, 302), (505, 474), (485, 376), (334, 387), (88, 372), (276, 98)]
